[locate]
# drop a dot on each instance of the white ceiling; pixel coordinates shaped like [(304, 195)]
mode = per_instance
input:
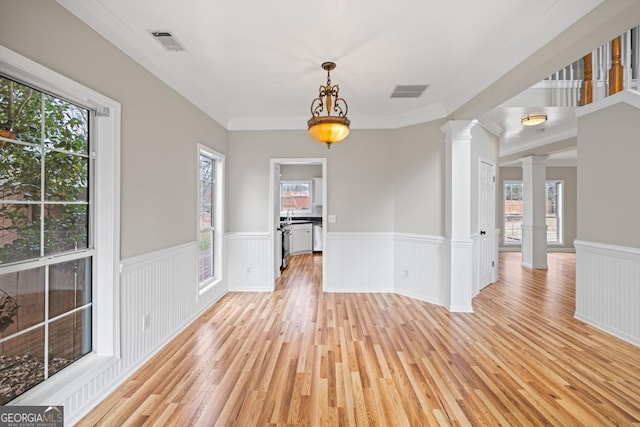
[(254, 64)]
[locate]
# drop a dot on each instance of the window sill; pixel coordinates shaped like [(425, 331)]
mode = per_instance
[(58, 387)]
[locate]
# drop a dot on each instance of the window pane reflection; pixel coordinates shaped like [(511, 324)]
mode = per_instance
[(21, 300), (65, 228), (69, 286), (21, 364), (69, 339)]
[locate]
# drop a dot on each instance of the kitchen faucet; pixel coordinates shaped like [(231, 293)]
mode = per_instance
[(289, 213)]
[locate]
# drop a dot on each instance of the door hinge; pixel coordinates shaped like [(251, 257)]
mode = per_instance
[(493, 263)]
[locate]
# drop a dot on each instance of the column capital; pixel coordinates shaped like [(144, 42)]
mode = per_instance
[(458, 128)]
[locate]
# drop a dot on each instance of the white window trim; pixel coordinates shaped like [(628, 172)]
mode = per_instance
[(219, 207), (301, 212), (106, 289)]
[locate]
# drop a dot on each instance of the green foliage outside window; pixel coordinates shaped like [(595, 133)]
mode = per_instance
[(44, 174)]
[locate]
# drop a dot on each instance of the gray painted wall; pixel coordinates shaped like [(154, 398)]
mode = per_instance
[(300, 171), (570, 208), (160, 128), (359, 184), (418, 179), (608, 176), (377, 180)]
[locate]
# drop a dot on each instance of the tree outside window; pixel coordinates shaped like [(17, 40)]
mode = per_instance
[(44, 214)]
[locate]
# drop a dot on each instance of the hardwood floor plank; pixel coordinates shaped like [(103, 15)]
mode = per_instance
[(301, 357)]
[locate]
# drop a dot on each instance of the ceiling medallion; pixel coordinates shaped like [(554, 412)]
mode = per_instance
[(329, 129)]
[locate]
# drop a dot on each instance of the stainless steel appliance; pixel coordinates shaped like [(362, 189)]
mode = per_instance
[(317, 237), (286, 245)]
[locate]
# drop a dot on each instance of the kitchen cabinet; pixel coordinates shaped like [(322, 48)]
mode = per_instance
[(317, 191), (301, 238)]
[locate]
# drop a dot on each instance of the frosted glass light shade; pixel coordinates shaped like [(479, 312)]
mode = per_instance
[(328, 129), (533, 119)]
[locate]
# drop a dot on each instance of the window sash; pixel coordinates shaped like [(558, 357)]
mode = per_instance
[(513, 212), (73, 189), (554, 219), (207, 230), (513, 216)]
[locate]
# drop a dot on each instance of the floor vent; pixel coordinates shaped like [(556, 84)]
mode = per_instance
[(408, 91), (168, 41)]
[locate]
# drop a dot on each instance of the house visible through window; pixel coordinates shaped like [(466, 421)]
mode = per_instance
[(553, 211), (209, 215), (46, 236), (514, 210), (295, 195)]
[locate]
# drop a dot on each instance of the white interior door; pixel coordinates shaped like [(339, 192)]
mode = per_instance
[(486, 218)]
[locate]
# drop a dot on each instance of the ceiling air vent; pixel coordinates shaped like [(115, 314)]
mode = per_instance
[(168, 41), (408, 91)]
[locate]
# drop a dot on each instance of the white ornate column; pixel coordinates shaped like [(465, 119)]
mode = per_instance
[(534, 221), (458, 213)]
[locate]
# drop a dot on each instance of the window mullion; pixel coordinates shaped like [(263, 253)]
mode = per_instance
[(42, 231), (42, 171), (46, 322)]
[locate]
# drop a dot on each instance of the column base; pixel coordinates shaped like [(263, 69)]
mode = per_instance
[(534, 246)]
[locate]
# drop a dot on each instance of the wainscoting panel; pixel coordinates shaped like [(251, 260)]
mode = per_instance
[(475, 265), (249, 262), (417, 267), (359, 262), (162, 285), (164, 288), (608, 288)]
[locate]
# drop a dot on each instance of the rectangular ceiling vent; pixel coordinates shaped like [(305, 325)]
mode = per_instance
[(168, 40), (408, 91)]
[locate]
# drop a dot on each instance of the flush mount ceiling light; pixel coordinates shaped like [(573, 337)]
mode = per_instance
[(329, 129), (533, 119)]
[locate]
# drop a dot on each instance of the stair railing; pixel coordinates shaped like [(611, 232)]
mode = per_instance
[(609, 69)]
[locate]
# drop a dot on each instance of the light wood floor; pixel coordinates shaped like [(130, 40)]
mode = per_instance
[(302, 357)]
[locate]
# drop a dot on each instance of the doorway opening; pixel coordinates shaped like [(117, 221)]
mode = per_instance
[(297, 210)]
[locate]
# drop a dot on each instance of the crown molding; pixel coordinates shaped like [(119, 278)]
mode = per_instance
[(423, 115)]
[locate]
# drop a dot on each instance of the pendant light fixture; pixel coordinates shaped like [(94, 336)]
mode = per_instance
[(329, 129)]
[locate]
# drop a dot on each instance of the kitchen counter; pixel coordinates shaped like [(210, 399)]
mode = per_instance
[(303, 219)]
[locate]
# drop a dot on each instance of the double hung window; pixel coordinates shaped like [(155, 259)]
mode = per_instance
[(210, 174), (295, 196), (46, 235), (514, 210)]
